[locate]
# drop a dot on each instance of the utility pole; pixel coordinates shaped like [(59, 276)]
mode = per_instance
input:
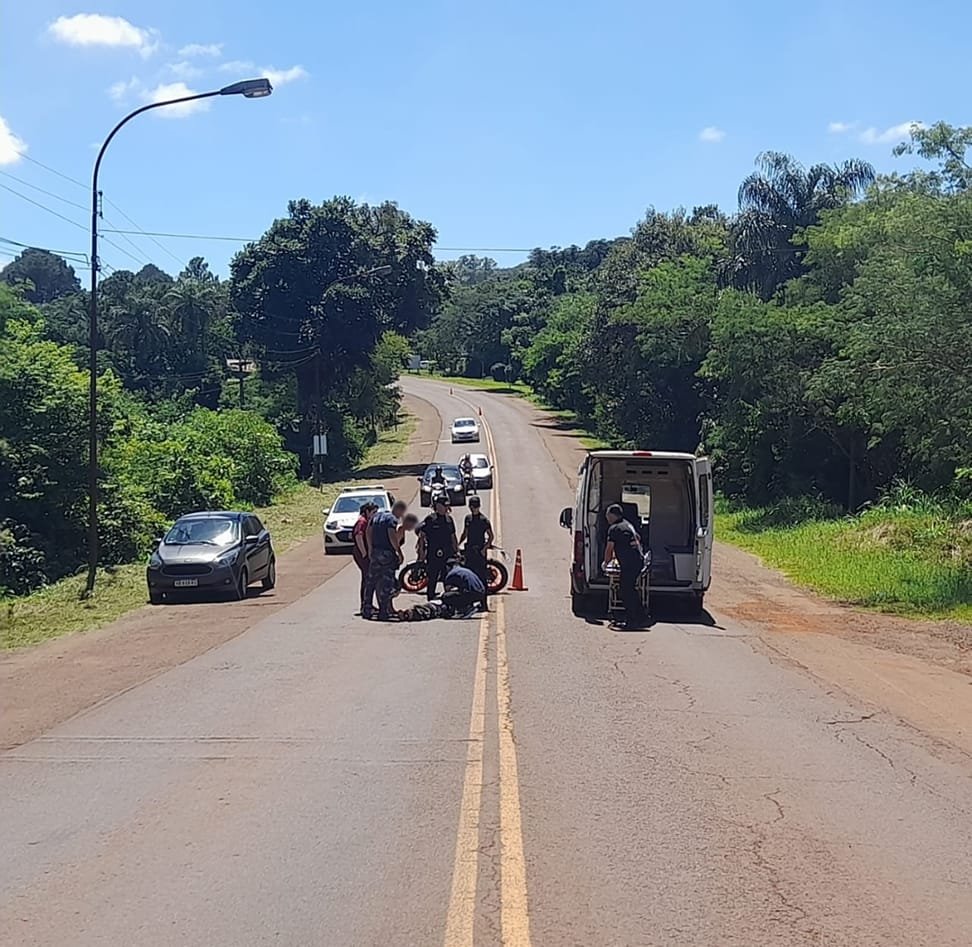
[(239, 367)]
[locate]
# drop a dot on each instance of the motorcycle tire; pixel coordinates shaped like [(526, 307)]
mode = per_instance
[(497, 576), (413, 578)]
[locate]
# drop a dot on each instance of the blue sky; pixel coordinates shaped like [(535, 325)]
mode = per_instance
[(506, 125)]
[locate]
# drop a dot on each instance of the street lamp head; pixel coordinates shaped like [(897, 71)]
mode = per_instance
[(249, 88)]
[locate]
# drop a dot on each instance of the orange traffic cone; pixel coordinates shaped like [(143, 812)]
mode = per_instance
[(518, 585)]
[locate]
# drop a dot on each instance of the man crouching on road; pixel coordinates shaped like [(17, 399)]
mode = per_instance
[(384, 557), (464, 590)]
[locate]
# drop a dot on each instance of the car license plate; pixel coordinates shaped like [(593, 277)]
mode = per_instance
[(186, 583)]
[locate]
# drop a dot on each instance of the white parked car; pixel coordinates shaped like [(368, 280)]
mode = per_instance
[(465, 430), (339, 519), (482, 471)]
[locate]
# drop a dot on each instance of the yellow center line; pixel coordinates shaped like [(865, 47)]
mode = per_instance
[(462, 898), (514, 908)]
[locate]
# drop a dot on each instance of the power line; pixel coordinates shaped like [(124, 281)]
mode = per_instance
[(151, 237), (30, 200), (40, 164), (81, 184), (203, 236), (67, 254), (42, 190)]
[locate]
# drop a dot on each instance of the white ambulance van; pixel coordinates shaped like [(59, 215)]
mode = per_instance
[(667, 497)]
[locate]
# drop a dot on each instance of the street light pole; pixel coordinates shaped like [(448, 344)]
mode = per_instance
[(250, 89)]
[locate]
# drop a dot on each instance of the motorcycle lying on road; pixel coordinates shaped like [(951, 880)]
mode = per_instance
[(412, 577)]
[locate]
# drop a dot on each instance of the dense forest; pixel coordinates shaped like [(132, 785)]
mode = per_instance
[(210, 389), (816, 343)]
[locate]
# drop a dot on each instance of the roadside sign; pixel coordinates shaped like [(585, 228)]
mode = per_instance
[(320, 445)]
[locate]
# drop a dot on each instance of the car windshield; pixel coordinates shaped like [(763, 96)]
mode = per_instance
[(211, 531), (480, 462), (353, 504), (464, 422)]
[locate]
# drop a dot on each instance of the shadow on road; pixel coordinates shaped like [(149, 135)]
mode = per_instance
[(390, 471), (661, 613)]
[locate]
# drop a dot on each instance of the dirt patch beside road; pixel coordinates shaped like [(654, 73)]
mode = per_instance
[(46, 684)]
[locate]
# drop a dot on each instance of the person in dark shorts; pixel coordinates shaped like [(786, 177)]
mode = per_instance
[(437, 545), (463, 591), (477, 534), (624, 546), (359, 536), (385, 555)]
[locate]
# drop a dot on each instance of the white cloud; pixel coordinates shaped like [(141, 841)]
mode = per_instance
[(122, 90), (243, 68), (238, 65), (202, 49), (889, 136), (175, 90), (279, 77), (11, 147), (711, 134), (93, 29), (839, 128), (184, 70)]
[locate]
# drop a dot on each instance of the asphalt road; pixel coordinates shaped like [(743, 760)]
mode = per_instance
[(527, 779)]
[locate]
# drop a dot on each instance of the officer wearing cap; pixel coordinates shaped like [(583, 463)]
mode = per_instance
[(477, 534)]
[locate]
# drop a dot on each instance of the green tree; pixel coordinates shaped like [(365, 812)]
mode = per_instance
[(306, 305), (44, 275), (947, 144), (776, 203)]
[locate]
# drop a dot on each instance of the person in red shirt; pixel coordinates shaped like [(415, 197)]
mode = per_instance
[(360, 551)]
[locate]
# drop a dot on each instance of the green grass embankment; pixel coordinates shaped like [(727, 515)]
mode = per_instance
[(911, 558)]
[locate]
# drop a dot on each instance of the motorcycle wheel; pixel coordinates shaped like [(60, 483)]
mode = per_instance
[(497, 576), (413, 578)]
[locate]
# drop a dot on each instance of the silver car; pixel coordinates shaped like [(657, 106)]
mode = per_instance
[(215, 552), (465, 430)]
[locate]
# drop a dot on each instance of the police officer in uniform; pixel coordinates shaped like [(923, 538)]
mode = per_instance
[(437, 544), (477, 534)]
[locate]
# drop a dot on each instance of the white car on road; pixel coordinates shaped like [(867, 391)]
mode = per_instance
[(482, 471), (339, 519), (465, 430)]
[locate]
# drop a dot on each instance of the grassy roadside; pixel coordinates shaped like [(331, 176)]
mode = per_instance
[(59, 609), (905, 559)]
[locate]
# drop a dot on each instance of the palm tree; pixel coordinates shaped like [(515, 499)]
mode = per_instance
[(776, 203), (137, 334), (191, 304)]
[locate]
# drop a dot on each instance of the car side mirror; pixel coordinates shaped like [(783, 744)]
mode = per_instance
[(567, 517), (251, 540), (157, 542), (325, 511), (419, 479)]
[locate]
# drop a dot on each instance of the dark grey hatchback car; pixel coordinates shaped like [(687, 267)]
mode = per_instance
[(214, 552)]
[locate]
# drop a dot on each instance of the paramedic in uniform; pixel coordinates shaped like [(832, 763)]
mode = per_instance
[(624, 545)]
